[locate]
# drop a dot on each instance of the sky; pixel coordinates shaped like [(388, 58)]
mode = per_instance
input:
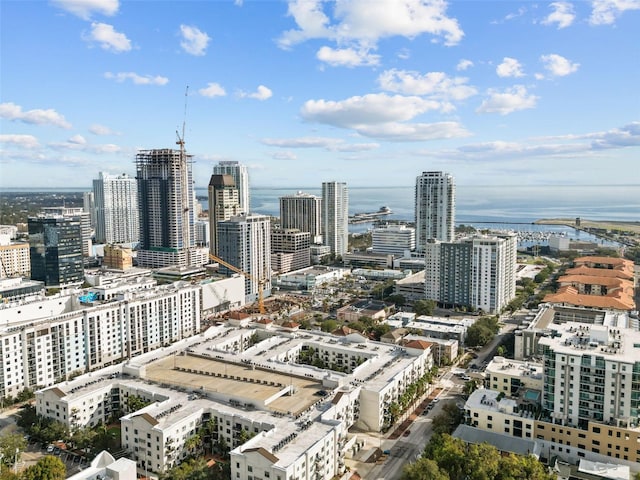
[(370, 92)]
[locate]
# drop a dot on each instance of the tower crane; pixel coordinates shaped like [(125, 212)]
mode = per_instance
[(261, 282)]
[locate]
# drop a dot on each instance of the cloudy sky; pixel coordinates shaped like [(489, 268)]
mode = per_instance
[(371, 92)]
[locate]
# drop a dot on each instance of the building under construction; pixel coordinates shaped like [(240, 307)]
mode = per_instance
[(166, 208)]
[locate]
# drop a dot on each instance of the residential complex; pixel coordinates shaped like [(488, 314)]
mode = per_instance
[(581, 402), (77, 214), (435, 201), (597, 282), (116, 208), (303, 212), (14, 258), (477, 272), (253, 389), (55, 250), (224, 203), (43, 340), (335, 217), (245, 243), (240, 175), (290, 250), (166, 203)]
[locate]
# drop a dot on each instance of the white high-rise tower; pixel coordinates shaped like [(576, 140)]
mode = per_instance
[(335, 216), (302, 211), (240, 175), (116, 207), (435, 197)]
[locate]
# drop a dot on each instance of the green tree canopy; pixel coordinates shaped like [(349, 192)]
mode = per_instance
[(423, 469), (11, 447), (424, 307), (47, 468)]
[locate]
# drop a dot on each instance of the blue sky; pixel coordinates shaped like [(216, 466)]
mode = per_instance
[(371, 92)]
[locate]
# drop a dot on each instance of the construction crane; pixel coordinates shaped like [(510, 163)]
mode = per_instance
[(261, 282), (184, 185)]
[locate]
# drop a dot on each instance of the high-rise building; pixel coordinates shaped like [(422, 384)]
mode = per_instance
[(302, 211), (165, 208), (245, 242), (89, 206), (478, 272), (224, 203), (435, 196), (290, 250), (335, 216), (116, 207), (240, 175), (85, 223), (55, 250), (393, 239)]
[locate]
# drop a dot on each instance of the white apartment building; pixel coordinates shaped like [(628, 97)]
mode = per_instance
[(435, 201), (493, 271), (302, 211), (512, 377), (591, 373), (493, 411), (47, 340), (240, 175), (116, 208), (292, 423), (393, 239), (245, 243), (335, 217)]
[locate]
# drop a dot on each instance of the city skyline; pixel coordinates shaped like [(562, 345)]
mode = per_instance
[(496, 93)]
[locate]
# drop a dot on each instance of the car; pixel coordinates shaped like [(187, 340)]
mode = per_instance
[(435, 400), (50, 448), (406, 433), (386, 452)]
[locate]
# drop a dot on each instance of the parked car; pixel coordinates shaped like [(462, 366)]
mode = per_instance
[(406, 433)]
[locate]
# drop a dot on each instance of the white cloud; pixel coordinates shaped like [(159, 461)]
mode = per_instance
[(508, 101), (262, 93), (464, 64), (212, 90), (367, 109), (78, 140), (86, 8), (414, 132), (605, 12), (11, 111), (97, 129), (557, 65), (382, 116), (136, 79), (363, 22), (436, 84), (510, 67), (107, 37), (24, 141), (562, 15), (284, 156), (347, 57), (194, 41), (326, 143)]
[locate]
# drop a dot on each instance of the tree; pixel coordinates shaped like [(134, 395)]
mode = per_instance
[(329, 325), (449, 418), (423, 469), (11, 447), (470, 387), (47, 468), (424, 307), (399, 300), (136, 402), (192, 469)]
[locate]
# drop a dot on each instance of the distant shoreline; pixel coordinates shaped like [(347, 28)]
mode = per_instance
[(622, 225)]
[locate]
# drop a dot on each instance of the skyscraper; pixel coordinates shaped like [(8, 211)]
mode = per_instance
[(435, 196), (55, 250), (166, 208), (335, 216), (223, 204), (89, 206), (302, 211), (79, 214), (245, 242), (240, 176), (116, 205)]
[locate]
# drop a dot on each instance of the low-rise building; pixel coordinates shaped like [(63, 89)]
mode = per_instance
[(374, 309)]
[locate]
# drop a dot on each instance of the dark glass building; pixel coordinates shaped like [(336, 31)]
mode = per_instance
[(55, 249)]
